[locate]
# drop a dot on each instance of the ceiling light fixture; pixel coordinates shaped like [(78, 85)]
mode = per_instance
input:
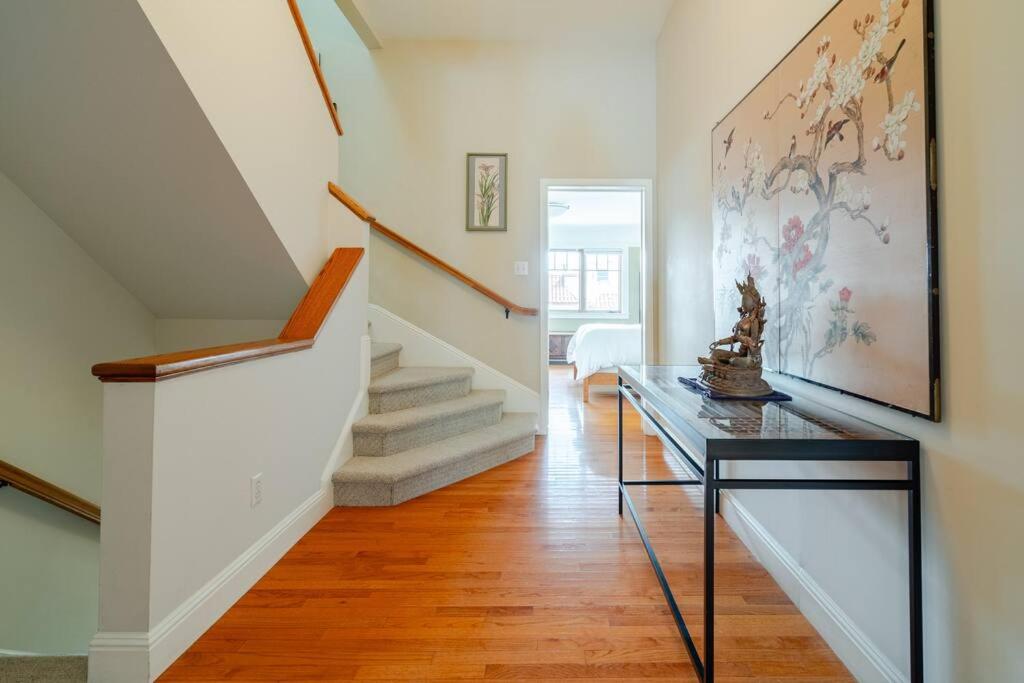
[(556, 209)]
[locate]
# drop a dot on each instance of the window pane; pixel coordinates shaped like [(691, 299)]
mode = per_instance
[(604, 291), (564, 282), (603, 281), (563, 290)]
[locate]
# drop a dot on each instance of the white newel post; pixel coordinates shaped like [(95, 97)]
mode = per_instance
[(120, 650)]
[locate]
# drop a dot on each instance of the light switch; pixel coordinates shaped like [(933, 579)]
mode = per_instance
[(522, 267)]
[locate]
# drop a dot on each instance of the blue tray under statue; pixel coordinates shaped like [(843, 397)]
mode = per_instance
[(707, 392)]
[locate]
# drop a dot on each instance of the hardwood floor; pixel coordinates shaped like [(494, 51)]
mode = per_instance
[(522, 572)]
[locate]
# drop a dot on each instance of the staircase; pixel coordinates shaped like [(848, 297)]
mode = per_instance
[(426, 429)]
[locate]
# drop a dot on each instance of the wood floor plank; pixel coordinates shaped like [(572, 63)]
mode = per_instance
[(523, 572)]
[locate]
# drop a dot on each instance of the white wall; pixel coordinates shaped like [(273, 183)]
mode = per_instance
[(60, 314), (99, 128), (420, 348), (853, 545), (179, 334), (414, 109), (182, 543), (246, 66)]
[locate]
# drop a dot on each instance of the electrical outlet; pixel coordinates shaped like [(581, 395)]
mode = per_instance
[(522, 267), (256, 490)]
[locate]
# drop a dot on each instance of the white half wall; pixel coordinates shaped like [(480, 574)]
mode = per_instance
[(180, 539)]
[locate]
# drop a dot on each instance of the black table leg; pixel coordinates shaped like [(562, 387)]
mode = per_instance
[(914, 537), (619, 394), (710, 494)]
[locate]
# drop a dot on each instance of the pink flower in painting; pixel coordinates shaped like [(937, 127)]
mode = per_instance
[(754, 267), (845, 294), (805, 258), (792, 231)]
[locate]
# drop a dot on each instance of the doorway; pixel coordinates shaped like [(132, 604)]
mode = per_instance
[(596, 284)]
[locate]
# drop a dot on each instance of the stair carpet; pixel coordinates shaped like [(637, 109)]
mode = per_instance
[(427, 428), (43, 669)]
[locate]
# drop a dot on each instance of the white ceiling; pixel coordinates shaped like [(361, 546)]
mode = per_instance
[(596, 219), (515, 20), (595, 207)]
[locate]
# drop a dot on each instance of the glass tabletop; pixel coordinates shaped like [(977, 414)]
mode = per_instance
[(748, 420)]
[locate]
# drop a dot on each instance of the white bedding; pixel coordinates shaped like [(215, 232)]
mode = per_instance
[(599, 346)]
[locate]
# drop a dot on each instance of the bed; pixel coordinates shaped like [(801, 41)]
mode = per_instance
[(597, 348)]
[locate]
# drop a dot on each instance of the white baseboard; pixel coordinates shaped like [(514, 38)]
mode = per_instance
[(856, 650), (419, 347), (134, 657)]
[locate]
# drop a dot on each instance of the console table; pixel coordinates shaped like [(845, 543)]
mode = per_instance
[(749, 430)]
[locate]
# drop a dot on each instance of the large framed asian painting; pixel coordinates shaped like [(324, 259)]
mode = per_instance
[(824, 190)]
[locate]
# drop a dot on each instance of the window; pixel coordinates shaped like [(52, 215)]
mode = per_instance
[(564, 282), (585, 280)]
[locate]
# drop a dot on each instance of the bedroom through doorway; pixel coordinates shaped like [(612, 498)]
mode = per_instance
[(595, 285)]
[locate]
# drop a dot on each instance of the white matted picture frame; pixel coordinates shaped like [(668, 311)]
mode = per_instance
[(487, 192)]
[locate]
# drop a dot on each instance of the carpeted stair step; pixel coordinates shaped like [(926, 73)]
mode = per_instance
[(411, 387), (43, 669), (383, 358), (388, 433), (369, 481)]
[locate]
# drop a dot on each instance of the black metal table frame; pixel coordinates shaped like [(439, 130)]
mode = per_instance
[(713, 485)]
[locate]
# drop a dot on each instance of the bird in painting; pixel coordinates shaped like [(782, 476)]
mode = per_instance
[(792, 147), (835, 130), (886, 69), (728, 142)]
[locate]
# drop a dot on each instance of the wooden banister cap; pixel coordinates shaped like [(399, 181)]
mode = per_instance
[(298, 334)]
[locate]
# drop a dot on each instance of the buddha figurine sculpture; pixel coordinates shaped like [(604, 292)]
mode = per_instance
[(737, 371)]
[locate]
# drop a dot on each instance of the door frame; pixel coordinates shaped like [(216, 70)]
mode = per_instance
[(647, 259)]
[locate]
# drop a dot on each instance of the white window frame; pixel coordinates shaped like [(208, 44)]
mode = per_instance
[(624, 292)]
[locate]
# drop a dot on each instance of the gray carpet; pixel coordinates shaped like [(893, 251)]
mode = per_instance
[(388, 433), (69, 669), (383, 358), (410, 387), (396, 478), (426, 429)]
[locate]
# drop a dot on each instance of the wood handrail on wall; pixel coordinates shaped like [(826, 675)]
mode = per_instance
[(315, 63), (299, 333), (364, 215), (18, 478)]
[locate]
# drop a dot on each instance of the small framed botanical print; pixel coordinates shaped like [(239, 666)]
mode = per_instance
[(487, 192)]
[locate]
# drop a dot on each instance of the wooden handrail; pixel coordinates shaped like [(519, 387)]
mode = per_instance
[(364, 215), (299, 333), (18, 478), (293, 5)]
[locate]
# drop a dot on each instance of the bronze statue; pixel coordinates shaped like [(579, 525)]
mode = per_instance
[(737, 372)]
